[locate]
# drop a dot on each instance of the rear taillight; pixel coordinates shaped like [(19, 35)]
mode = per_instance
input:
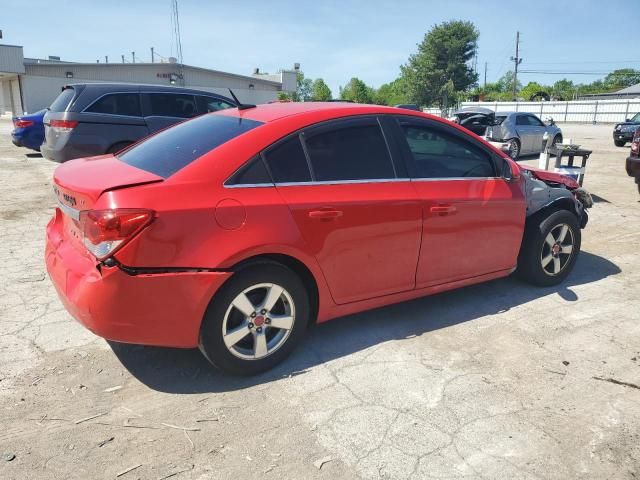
[(105, 231), (63, 125), (19, 123)]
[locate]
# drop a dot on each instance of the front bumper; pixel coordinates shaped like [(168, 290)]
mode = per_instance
[(624, 136), (633, 167), (162, 309)]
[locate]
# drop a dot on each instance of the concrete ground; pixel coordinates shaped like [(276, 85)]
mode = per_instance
[(500, 380)]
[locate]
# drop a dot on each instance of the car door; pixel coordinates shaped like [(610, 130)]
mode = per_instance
[(472, 217), (163, 109), (525, 131), (362, 222), (536, 132)]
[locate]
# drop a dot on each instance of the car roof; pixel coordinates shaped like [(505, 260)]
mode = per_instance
[(142, 87), (275, 111)]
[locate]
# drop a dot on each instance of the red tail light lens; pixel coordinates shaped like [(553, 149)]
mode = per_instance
[(22, 123), (63, 125), (105, 231)]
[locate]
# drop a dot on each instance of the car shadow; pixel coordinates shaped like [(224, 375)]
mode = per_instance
[(186, 371), (33, 155)]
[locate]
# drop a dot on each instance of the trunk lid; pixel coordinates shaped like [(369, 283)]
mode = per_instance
[(79, 183)]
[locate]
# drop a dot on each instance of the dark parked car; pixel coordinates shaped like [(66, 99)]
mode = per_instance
[(97, 118), (623, 132), (28, 130), (633, 160)]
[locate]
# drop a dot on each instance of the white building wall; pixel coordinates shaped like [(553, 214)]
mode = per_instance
[(42, 82)]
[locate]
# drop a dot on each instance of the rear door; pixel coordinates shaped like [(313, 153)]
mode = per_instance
[(472, 218), (360, 219), (164, 109), (525, 131), (536, 132)]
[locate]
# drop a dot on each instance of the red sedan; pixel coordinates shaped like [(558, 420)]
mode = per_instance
[(236, 230)]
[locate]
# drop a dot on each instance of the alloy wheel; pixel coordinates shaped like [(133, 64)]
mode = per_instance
[(258, 321), (557, 249), (514, 149)]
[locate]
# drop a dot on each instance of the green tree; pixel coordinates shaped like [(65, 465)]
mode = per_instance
[(392, 93), (443, 56), (320, 91), (563, 90), (622, 78), (531, 89), (357, 91)]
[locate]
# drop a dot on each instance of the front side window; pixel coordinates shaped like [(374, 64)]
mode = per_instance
[(173, 149), (357, 152), (126, 104), (534, 121), (172, 105), (438, 154)]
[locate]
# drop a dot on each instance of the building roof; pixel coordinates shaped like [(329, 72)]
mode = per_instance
[(633, 89)]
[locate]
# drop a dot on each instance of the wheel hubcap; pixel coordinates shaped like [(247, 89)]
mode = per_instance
[(557, 249), (513, 149), (258, 321)]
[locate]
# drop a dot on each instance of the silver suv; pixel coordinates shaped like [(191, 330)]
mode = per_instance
[(97, 118)]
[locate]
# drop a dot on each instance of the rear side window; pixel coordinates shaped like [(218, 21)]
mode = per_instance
[(350, 153), (127, 104), (440, 155), (211, 104), (61, 103), (172, 105), (173, 149), (251, 173), (287, 161)]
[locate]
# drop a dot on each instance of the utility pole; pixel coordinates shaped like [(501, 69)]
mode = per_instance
[(152, 56), (106, 59), (485, 75), (517, 61), (122, 56), (133, 57)]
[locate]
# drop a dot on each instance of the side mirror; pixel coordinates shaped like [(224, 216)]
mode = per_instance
[(510, 170)]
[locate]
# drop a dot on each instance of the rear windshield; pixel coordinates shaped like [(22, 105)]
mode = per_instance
[(175, 148), (61, 103)]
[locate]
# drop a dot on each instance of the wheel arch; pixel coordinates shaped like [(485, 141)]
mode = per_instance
[(296, 265)]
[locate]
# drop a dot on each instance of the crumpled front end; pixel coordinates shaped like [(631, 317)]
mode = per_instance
[(548, 189)]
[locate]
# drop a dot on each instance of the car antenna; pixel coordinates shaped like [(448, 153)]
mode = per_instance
[(241, 106)]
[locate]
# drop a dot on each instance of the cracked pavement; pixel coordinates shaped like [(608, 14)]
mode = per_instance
[(492, 381)]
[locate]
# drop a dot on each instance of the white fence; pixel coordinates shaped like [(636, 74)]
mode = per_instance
[(578, 111)]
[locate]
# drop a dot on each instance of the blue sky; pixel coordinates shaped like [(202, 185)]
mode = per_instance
[(335, 40)]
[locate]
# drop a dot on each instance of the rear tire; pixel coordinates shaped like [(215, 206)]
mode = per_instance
[(557, 139), (550, 247), (252, 302), (619, 143)]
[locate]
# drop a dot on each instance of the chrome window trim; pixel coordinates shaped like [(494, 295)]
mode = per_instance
[(250, 185), (342, 182), (69, 211), (441, 179)]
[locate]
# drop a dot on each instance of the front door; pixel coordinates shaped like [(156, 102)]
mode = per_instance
[(361, 222), (472, 218)]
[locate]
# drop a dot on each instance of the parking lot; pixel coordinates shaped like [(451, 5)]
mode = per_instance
[(499, 380)]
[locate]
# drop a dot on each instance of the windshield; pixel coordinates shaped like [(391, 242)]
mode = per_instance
[(175, 148), (636, 118)]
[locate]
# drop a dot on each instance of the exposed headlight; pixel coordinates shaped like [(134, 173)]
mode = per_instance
[(617, 128)]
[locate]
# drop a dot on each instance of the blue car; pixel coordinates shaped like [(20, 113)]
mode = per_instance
[(29, 130)]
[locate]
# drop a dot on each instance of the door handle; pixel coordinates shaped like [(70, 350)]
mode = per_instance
[(325, 214), (443, 210)]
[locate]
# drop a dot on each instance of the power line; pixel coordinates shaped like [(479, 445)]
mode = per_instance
[(556, 72)]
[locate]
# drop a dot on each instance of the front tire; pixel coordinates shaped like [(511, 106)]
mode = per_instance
[(549, 249), (256, 319), (619, 143), (557, 139), (514, 148)]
